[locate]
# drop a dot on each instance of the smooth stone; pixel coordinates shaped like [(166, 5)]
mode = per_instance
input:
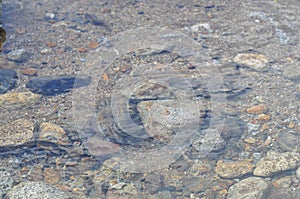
[(273, 192), (276, 162), (19, 55), (8, 80), (17, 132), (233, 169), (50, 86), (248, 188), (36, 190), (292, 71), (18, 99), (196, 184), (258, 62), (288, 141)]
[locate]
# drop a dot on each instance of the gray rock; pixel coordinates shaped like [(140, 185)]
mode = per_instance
[(276, 162), (19, 55), (292, 71), (288, 141), (248, 188), (36, 190), (8, 80), (6, 182)]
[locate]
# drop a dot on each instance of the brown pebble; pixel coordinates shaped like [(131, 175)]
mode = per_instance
[(105, 77), (82, 50), (51, 44), (93, 44), (263, 117), (258, 109), (250, 140), (29, 71)]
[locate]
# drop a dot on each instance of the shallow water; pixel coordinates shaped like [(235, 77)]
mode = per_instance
[(164, 99)]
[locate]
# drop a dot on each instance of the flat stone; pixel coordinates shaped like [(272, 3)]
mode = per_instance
[(248, 188), (196, 184), (50, 86), (258, 62), (258, 109), (8, 80), (292, 71), (17, 132), (276, 162), (19, 55), (36, 190), (18, 99), (288, 141), (53, 133), (233, 169)]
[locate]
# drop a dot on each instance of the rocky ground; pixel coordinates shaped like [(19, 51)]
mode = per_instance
[(49, 146)]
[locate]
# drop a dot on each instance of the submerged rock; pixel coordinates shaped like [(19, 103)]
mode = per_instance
[(56, 85), (8, 80)]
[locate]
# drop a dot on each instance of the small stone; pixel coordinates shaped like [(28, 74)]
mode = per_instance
[(258, 109), (93, 44), (53, 133), (51, 44), (34, 190), (233, 169), (248, 188), (276, 162), (292, 71), (250, 140), (46, 51), (198, 27), (298, 173), (263, 117), (17, 132), (18, 99), (105, 77), (82, 50), (51, 176), (19, 55), (257, 62), (29, 71)]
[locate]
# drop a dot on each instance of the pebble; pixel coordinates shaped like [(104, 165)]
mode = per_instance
[(198, 27), (284, 182), (19, 55), (263, 117), (258, 109), (29, 71), (51, 176), (276, 162), (36, 190), (16, 133), (50, 86), (233, 169), (292, 71), (18, 99), (258, 62), (8, 80), (53, 133), (249, 188)]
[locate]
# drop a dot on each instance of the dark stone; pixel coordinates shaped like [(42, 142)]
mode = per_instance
[(50, 86), (8, 80)]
